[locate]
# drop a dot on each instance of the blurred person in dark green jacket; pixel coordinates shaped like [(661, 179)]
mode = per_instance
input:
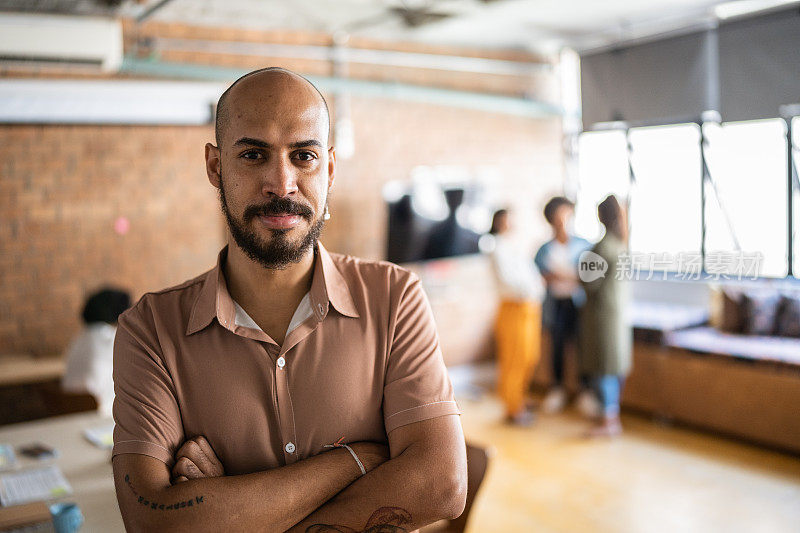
[(605, 333)]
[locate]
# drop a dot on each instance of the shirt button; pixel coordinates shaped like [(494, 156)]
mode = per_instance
[(281, 364), (321, 309), (289, 447)]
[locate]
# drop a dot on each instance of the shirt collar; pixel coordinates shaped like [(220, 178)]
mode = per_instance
[(327, 286)]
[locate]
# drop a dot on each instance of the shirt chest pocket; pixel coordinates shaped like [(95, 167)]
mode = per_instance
[(343, 401), (231, 388)]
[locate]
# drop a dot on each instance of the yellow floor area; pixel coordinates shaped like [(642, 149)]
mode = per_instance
[(654, 478)]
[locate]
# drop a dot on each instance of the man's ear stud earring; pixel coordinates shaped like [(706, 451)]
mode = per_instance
[(327, 213)]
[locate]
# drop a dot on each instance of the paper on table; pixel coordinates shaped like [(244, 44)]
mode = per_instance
[(33, 485), (101, 436)]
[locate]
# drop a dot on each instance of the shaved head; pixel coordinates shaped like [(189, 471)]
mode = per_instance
[(267, 78), (273, 165)]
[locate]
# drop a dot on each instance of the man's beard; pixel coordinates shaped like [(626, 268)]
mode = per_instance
[(279, 252)]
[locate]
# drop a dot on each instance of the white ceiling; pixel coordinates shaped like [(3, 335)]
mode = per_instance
[(543, 25), (532, 24)]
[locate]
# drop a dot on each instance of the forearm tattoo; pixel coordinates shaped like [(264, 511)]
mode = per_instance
[(384, 520), (155, 506)]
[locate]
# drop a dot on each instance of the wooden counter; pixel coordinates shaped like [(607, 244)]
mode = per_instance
[(19, 369)]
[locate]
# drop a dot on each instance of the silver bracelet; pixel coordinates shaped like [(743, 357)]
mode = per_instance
[(349, 449)]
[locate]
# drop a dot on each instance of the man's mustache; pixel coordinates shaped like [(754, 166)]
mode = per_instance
[(279, 206)]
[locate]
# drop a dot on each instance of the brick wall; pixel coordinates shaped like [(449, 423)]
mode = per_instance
[(61, 190)]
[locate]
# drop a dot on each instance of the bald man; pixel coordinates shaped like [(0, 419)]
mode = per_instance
[(288, 388)]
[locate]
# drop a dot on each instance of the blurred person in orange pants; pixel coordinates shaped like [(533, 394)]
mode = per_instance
[(518, 322)]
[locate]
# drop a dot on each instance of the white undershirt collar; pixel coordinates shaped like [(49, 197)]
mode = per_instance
[(302, 312)]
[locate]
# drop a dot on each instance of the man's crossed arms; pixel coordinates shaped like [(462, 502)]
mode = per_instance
[(419, 478)]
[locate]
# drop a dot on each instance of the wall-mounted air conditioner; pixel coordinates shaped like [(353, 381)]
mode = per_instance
[(62, 41)]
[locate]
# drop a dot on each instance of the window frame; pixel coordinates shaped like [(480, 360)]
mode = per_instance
[(792, 180)]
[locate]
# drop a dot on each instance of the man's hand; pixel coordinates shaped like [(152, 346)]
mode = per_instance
[(194, 460)]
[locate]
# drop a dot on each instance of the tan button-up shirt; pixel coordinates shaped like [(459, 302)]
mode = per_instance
[(365, 362)]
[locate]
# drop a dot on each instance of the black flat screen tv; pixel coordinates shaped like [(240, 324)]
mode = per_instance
[(413, 237)]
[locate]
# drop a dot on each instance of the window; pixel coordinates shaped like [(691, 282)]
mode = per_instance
[(602, 170), (746, 198), (746, 204), (665, 208)]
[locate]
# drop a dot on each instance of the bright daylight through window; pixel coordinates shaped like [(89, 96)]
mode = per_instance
[(745, 194)]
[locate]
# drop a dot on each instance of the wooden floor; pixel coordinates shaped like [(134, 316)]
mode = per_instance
[(654, 478)]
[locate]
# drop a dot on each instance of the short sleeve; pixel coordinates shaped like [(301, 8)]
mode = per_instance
[(417, 386), (146, 414), (540, 259)]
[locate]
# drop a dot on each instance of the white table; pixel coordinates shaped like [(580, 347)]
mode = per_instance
[(86, 467)]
